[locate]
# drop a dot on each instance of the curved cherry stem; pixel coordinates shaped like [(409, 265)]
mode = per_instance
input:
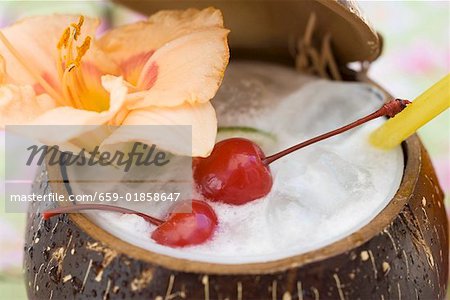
[(105, 207), (389, 109)]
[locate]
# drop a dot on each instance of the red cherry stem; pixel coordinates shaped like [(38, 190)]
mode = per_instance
[(389, 109), (76, 208)]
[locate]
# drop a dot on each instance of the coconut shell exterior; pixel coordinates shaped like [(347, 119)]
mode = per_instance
[(401, 254)]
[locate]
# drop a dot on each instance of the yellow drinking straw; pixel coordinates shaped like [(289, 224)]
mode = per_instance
[(422, 110)]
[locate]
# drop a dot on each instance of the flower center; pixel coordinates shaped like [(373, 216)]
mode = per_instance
[(80, 81)]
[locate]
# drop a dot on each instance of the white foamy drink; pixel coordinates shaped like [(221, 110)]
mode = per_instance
[(320, 194)]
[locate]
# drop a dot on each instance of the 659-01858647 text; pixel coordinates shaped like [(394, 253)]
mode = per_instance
[(97, 196)]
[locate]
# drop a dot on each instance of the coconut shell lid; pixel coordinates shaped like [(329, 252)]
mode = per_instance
[(271, 29)]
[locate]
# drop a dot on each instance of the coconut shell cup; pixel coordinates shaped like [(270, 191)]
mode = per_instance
[(401, 254)]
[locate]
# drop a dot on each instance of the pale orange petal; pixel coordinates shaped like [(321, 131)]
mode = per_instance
[(145, 37), (20, 105), (189, 69), (185, 51), (101, 60), (198, 140), (79, 119), (2, 70)]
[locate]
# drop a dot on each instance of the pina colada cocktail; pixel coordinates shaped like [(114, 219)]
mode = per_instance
[(309, 199)]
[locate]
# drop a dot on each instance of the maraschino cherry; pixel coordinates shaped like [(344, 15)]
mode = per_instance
[(237, 171), (234, 173), (188, 223)]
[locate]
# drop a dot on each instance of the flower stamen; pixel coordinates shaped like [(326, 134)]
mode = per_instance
[(81, 51), (64, 39), (77, 27), (70, 64)]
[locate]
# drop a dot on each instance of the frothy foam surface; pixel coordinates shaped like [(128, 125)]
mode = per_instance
[(321, 193)]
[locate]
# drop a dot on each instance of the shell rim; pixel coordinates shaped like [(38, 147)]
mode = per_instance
[(412, 155)]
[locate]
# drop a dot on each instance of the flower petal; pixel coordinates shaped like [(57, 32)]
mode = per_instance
[(36, 39), (198, 141), (145, 37), (81, 121), (20, 105), (179, 55), (189, 69), (2, 70)]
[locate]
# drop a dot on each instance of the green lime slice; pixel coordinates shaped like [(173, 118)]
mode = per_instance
[(262, 138)]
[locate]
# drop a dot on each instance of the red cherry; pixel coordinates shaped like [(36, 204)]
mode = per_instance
[(234, 173), (237, 171), (187, 225)]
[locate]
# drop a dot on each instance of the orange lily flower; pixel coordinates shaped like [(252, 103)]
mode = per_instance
[(162, 71)]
